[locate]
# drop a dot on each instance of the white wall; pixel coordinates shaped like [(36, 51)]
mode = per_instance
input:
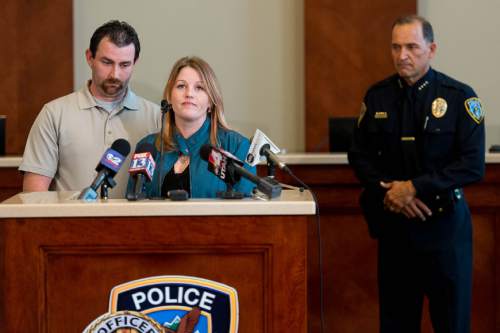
[(467, 34), (254, 46), (256, 49)]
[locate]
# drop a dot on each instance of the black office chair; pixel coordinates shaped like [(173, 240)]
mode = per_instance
[(340, 133)]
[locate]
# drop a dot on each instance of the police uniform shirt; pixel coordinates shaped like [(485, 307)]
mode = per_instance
[(438, 121)]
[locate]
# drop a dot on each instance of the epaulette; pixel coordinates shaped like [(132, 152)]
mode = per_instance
[(451, 83), (383, 83)]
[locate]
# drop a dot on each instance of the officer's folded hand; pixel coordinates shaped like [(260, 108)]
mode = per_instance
[(398, 195), (401, 198), (416, 208)]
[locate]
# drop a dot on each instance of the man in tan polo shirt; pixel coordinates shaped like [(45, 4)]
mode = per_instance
[(71, 133)]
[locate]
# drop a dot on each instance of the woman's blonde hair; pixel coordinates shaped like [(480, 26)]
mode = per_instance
[(216, 109)]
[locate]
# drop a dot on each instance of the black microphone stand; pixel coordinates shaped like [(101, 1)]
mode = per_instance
[(108, 183), (231, 179), (271, 168), (165, 107)]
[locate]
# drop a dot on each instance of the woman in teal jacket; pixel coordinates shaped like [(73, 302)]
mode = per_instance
[(195, 118)]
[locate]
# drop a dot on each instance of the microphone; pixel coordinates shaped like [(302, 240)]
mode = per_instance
[(262, 148), (108, 166), (142, 167), (230, 169), (165, 107)]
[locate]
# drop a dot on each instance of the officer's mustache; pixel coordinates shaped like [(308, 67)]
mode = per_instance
[(405, 63)]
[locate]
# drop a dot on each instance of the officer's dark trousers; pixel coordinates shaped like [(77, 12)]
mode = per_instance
[(407, 274)]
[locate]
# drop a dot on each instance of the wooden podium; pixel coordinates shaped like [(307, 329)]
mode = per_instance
[(60, 258)]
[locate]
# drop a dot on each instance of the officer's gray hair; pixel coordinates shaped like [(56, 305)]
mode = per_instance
[(427, 30)]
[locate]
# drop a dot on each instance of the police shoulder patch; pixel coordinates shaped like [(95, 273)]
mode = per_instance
[(361, 113), (474, 109)]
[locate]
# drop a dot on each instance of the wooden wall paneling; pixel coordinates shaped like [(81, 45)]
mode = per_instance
[(484, 271), (11, 182), (496, 292), (9, 58), (347, 48), (349, 255), (37, 58)]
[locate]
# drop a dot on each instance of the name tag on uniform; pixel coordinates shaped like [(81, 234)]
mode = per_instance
[(380, 115), (407, 138)]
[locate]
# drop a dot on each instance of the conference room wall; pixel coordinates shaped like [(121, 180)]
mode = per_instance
[(256, 49), (254, 46)]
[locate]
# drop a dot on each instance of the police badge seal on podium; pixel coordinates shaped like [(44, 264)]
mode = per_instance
[(169, 304), (124, 322)]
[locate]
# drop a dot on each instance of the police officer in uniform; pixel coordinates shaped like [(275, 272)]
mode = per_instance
[(418, 141)]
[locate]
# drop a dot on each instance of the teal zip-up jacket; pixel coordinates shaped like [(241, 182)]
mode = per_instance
[(203, 183)]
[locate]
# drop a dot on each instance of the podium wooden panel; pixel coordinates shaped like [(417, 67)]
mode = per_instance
[(56, 273)]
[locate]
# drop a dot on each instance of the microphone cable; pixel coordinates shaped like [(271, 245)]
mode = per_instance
[(320, 247), (165, 107)]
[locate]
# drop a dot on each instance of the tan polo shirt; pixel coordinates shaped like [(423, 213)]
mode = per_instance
[(70, 135)]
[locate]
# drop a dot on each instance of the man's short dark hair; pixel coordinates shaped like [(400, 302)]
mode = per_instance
[(427, 30), (119, 33)]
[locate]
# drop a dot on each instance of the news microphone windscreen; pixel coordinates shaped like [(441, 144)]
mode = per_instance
[(142, 161), (205, 151), (255, 154), (122, 146), (113, 157), (165, 106), (217, 162), (145, 148)]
